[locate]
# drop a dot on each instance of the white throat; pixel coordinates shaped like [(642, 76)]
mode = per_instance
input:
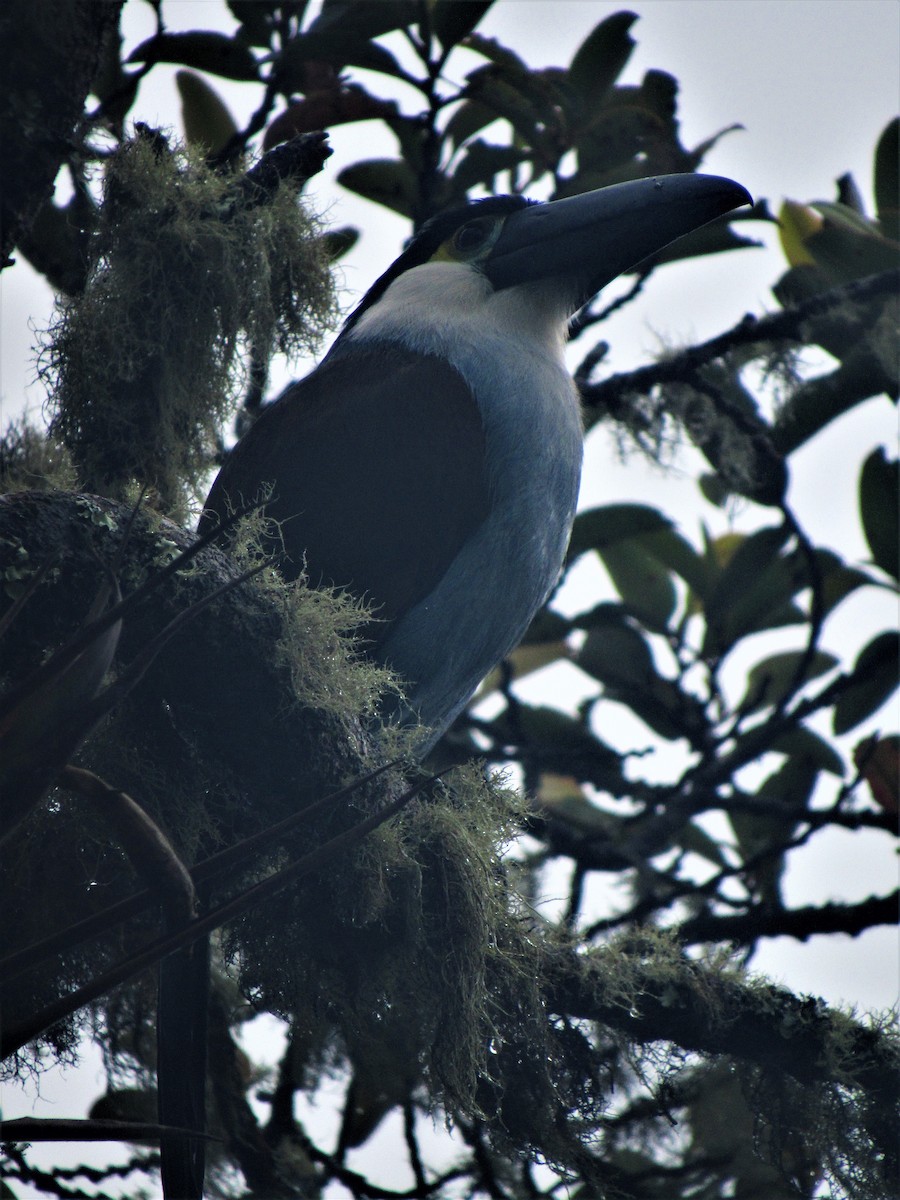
[(436, 307)]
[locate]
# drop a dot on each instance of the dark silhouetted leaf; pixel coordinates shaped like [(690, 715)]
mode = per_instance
[(887, 180), (563, 743), (700, 151), (354, 21), (837, 580), (608, 147), (849, 194), (387, 181), (565, 801), (469, 118), (339, 242), (879, 507), (873, 681), (213, 52), (601, 58), (659, 94), (482, 162), (494, 52), (693, 838), (505, 93), (257, 20), (452, 21)]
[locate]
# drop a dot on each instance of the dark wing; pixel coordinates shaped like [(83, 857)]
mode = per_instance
[(377, 466)]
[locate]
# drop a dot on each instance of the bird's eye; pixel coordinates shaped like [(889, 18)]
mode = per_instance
[(473, 236)]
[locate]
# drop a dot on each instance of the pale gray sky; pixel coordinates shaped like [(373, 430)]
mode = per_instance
[(814, 82)]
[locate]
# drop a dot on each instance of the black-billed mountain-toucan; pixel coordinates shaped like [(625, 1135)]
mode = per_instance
[(431, 463)]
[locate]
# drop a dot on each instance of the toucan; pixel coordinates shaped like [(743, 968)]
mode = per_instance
[(430, 464)]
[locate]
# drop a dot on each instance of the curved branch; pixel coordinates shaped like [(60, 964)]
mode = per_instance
[(656, 996), (777, 327), (800, 923)]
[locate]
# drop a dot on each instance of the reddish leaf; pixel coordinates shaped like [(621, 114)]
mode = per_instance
[(878, 760), (322, 109)]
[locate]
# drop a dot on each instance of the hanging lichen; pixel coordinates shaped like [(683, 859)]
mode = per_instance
[(190, 271)]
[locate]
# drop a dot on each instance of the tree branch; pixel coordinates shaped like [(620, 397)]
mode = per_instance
[(780, 326), (800, 923), (653, 998)]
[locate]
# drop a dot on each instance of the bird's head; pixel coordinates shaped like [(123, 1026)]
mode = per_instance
[(565, 250)]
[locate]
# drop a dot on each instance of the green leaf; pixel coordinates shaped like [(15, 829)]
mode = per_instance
[(641, 581), (752, 593), (599, 527), (386, 181), (879, 507), (452, 21), (566, 745), (848, 246), (873, 681), (887, 180), (208, 125), (790, 785), (775, 677), (338, 242), (617, 655), (547, 626), (802, 742), (213, 52), (674, 551), (837, 580), (601, 58)]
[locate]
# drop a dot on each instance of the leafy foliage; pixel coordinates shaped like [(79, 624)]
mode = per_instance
[(627, 1050)]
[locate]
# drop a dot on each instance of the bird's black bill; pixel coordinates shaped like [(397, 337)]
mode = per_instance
[(594, 237)]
